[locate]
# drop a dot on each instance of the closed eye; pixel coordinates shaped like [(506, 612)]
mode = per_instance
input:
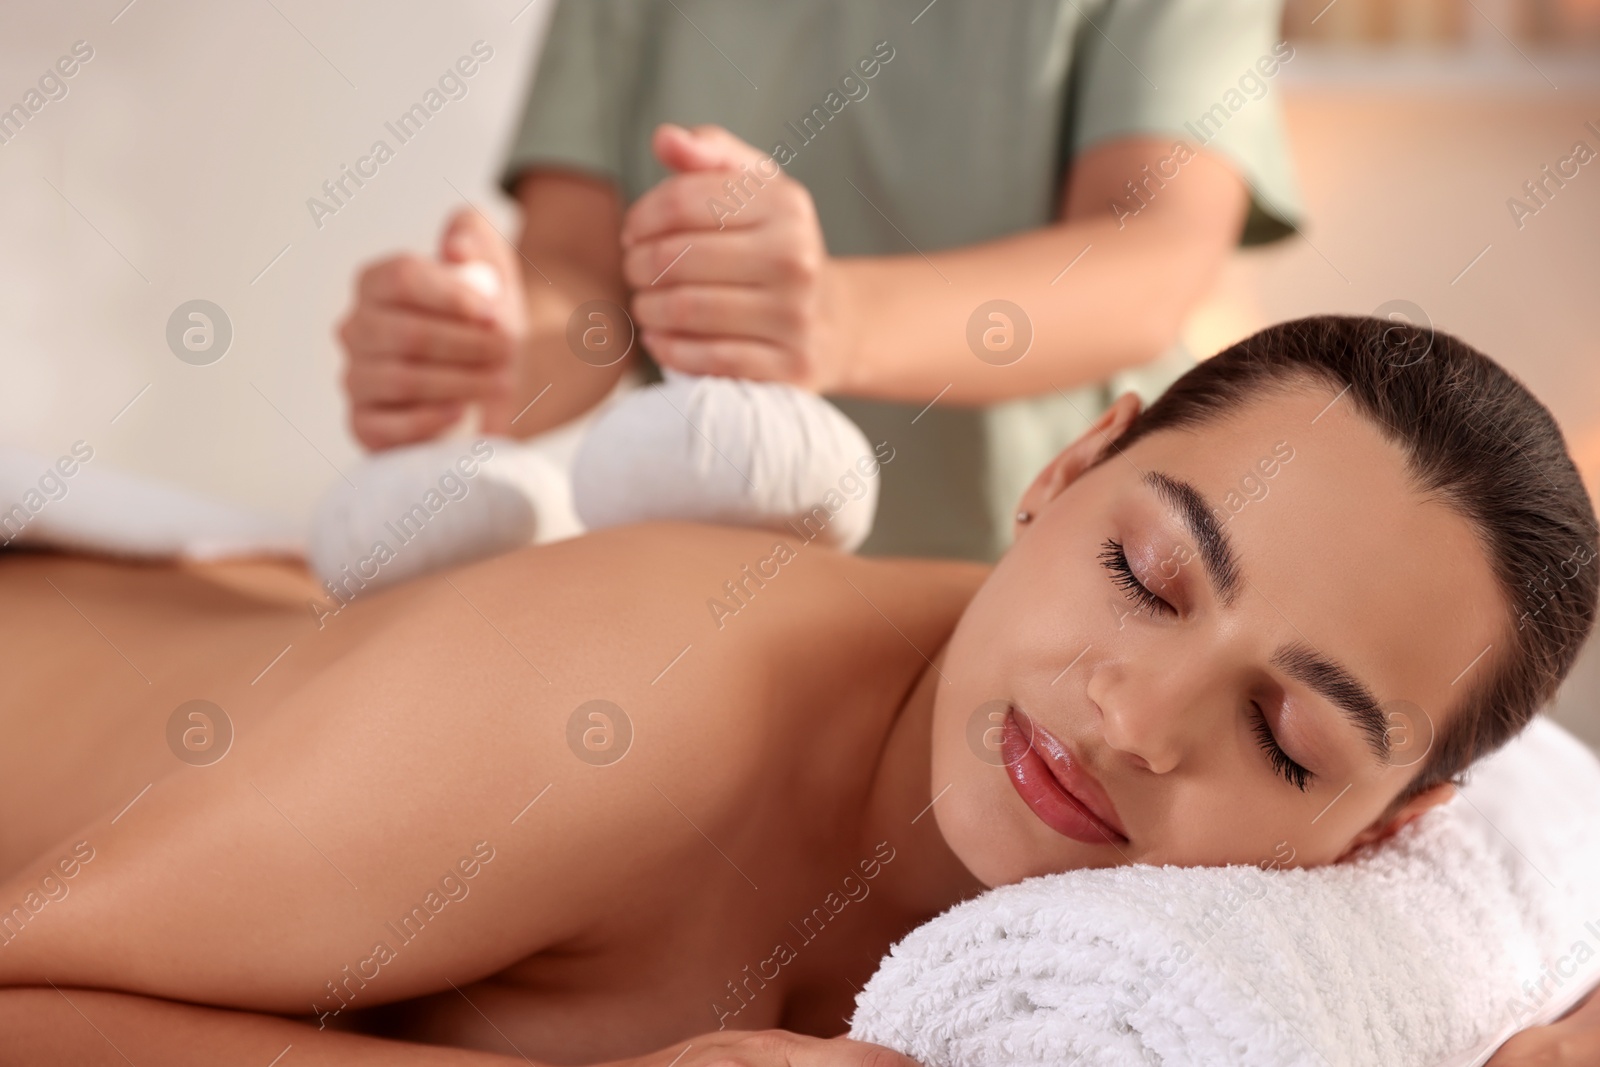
[(1115, 560), (1286, 768)]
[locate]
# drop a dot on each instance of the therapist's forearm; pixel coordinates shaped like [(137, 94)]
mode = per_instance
[(570, 256), (555, 385), (1122, 302)]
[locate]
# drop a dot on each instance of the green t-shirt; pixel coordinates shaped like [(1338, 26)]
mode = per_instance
[(956, 120)]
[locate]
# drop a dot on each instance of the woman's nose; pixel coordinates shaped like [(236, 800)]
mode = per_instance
[(1150, 713)]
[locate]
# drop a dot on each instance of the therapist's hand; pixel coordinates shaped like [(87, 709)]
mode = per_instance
[(422, 342), (744, 290)]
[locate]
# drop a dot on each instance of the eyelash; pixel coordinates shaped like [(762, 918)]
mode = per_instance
[(1114, 559), (1285, 767)]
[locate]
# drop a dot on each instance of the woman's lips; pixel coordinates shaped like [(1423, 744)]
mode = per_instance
[(1055, 785)]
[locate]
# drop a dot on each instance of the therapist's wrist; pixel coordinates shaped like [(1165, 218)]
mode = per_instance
[(844, 362)]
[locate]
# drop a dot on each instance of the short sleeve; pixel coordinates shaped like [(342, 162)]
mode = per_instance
[(580, 102), (1204, 71)]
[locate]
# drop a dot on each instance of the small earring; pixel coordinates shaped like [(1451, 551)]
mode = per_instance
[(1024, 516)]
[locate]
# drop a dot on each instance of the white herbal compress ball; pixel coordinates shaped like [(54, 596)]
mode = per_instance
[(702, 449), (725, 450), (422, 508)]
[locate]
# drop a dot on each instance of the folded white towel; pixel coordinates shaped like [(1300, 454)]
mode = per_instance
[(1481, 918), (76, 503)]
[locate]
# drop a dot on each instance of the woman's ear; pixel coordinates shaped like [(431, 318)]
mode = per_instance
[(1079, 456), (1389, 824)]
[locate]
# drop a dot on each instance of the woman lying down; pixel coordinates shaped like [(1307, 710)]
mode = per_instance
[(413, 853)]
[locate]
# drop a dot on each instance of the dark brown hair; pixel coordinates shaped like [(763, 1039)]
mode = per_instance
[(1473, 437)]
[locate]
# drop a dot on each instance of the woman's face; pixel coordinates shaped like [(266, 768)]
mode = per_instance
[(1231, 644)]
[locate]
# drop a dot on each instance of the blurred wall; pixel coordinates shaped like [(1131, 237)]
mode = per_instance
[(177, 167)]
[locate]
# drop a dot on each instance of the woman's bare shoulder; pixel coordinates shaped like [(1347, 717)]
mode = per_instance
[(691, 578), (690, 544)]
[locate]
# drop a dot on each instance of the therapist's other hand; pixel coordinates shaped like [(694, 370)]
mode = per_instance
[(745, 289), (422, 340), (1571, 1042)]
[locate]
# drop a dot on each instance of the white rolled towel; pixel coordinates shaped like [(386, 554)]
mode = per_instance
[(1427, 950), (74, 503)]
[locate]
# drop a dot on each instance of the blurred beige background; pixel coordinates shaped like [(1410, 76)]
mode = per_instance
[(178, 167), (179, 163)]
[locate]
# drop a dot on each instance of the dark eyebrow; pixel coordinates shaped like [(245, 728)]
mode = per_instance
[(1216, 551), (1335, 684), (1342, 689)]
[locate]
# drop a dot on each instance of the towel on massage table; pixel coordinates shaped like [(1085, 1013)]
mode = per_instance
[(1479, 919)]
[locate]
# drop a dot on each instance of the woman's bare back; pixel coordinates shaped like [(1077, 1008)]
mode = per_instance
[(613, 904)]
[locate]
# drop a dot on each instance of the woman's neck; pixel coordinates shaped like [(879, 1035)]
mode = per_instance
[(900, 809)]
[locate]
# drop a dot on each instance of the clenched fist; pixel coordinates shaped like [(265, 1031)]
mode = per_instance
[(427, 337), (733, 282)]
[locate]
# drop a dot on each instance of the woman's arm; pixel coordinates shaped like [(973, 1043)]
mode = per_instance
[(756, 295), (88, 1028)]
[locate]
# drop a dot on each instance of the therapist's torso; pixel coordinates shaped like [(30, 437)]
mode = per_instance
[(915, 128)]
